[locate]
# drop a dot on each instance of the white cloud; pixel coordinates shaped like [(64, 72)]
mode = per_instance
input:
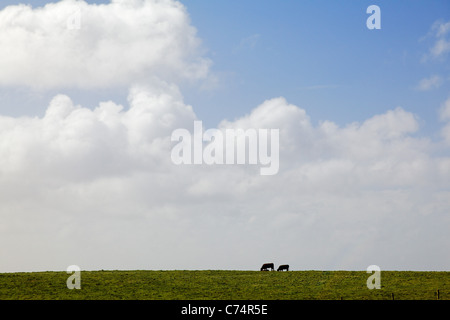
[(432, 82), (98, 188), (320, 87), (441, 46), (80, 142), (117, 44)]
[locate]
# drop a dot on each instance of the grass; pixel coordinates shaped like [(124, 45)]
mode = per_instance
[(225, 285)]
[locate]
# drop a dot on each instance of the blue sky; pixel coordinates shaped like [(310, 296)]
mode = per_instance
[(87, 113)]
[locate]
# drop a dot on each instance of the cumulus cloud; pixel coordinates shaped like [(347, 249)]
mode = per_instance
[(116, 44), (81, 142), (440, 31), (97, 187)]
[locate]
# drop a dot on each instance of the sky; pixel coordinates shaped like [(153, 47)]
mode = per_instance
[(91, 92)]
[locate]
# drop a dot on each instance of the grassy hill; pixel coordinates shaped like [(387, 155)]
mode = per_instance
[(226, 285)]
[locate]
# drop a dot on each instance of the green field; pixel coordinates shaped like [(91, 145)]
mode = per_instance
[(226, 285)]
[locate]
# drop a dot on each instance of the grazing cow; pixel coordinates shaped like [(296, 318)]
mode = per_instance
[(283, 267), (267, 266)]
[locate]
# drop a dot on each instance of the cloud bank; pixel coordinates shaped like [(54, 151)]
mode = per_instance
[(96, 187)]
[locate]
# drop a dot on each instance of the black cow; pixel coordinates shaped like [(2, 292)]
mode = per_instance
[(283, 267), (267, 266)]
